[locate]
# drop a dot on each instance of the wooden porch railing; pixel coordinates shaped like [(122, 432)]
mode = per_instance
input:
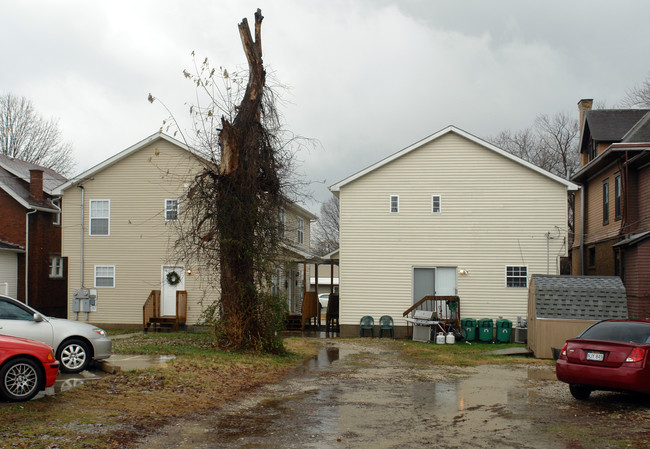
[(446, 308), (151, 317), (151, 309)]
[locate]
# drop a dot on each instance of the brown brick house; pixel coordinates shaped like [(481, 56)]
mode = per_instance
[(612, 214), (31, 266)]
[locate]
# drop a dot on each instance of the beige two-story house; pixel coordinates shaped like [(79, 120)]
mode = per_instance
[(120, 223), (451, 215)]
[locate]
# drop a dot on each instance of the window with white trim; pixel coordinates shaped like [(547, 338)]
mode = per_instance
[(516, 276), (436, 204), (282, 222), (394, 204), (301, 230), (56, 267), (100, 217), (171, 210), (57, 215), (104, 276)]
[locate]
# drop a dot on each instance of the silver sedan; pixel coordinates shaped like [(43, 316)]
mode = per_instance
[(75, 344)]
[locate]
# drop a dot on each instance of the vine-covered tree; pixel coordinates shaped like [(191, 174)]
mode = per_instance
[(229, 219), (25, 135)]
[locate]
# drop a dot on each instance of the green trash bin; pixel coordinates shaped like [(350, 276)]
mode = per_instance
[(469, 328), (485, 331), (504, 331)]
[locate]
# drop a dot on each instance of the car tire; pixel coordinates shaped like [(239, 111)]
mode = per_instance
[(579, 392), (73, 355), (20, 379)]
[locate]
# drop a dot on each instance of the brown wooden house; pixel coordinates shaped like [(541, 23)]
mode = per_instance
[(612, 214)]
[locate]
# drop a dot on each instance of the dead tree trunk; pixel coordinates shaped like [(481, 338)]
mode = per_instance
[(246, 174)]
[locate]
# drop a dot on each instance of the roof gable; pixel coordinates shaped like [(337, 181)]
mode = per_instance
[(120, 156), (451, 129), (20, 169), (611, 125), (15, 179)]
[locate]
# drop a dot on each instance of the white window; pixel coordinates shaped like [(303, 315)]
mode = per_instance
[(57, 216), (516, 276), (436, 204), (301, 230), (100, 217), (282, 222), (104, 276), (56, 267), (171, 210), (394, 204)]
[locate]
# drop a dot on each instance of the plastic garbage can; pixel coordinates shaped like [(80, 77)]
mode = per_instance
[(504, 331), (469, 328), (485, 330)]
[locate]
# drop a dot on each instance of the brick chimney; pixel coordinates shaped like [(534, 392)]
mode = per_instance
[(36, 184), (584, 105)]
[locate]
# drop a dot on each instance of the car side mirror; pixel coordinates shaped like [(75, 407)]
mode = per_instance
[(38, 317)]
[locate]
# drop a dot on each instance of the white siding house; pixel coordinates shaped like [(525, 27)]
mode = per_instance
[(449, 215)]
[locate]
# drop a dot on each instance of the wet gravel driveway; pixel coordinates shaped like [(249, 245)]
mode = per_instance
[(359, 394)]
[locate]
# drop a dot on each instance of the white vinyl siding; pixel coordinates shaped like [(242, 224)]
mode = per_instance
[(394, 204), (488, 223), (171, 210), (104, 276), (100, 217)]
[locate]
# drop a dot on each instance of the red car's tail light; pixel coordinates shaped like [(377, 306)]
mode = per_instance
[(563, 351), (636, 355)]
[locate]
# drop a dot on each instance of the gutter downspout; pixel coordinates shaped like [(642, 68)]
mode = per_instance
[(582, 229), (29, 212), (83, 191)]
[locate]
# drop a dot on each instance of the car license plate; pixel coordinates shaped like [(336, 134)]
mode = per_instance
[(596, 356)]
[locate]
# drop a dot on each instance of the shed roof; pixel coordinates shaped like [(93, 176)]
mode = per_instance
[(579, 297)]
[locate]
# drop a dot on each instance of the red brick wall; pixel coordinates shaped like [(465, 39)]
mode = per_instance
[(12, 222)]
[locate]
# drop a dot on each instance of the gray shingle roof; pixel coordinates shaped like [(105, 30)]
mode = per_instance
[(579, 297), (20, 169), (611, 125)]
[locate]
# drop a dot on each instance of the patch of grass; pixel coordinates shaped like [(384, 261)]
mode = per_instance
[(462, 354), (118, 409)]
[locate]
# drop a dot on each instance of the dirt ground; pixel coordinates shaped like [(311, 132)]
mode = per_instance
[(358, 394)]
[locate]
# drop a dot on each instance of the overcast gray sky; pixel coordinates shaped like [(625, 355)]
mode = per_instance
[(366, 77)]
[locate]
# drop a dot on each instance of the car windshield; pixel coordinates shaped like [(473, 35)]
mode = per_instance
[(618, 331)]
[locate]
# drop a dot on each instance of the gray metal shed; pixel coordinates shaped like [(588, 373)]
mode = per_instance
[(560, 307)]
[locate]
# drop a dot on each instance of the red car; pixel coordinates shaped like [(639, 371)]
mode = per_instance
[(612, 355), (26, 367)]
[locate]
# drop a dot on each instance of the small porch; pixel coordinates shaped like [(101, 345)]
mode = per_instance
[(154, 321)]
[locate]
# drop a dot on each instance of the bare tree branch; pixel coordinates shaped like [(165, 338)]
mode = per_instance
[(25, 135)]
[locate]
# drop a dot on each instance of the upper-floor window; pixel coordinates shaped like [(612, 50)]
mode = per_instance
[(171, 210), (516, 276), (56, 267), (394, 204), (282, 222), (617, 197), (606, 202), (436, 204), (593, 149), (100, 217), (301, 230), (105, 276), (57, 215)]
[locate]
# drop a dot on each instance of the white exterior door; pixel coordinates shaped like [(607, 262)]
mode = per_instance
[(168, 291), (424, 283), (446, 281)]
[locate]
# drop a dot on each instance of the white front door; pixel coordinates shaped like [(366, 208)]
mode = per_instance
[(168, 291)]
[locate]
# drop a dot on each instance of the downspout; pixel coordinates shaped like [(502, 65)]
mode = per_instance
[(582, 229), (81, 271), (29, 212)]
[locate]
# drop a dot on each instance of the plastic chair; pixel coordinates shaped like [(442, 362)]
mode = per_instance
[(367, 322), (386, 324)]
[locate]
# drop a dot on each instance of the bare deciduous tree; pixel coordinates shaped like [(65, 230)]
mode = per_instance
[(638, 96), (25, 135), (327, 228)]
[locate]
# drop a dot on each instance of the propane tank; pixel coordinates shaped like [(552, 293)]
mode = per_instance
[(451, 339), (440, 338)]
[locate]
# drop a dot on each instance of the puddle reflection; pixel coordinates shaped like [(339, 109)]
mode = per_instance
[(326, 356)]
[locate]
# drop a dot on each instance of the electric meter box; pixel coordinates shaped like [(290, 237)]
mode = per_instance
[(84, 300)]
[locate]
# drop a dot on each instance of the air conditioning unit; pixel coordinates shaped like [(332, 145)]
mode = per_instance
[(521, 334)]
